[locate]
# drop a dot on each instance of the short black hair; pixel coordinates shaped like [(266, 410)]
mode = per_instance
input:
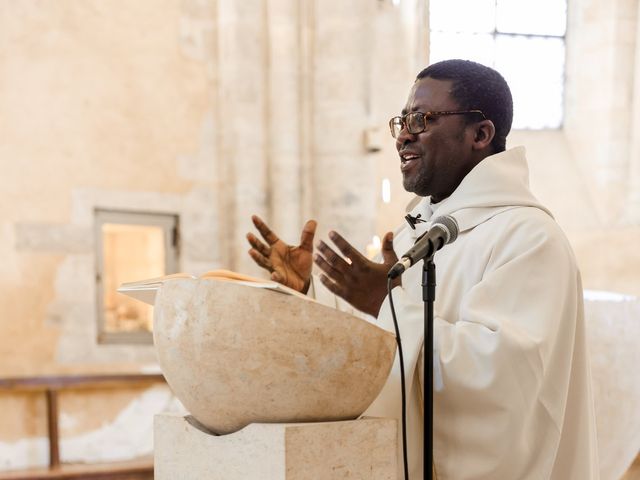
[(477, 87)]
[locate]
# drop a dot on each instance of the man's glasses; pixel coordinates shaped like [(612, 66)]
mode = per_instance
[(416, 122)]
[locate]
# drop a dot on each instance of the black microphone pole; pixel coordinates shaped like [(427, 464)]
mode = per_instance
[(428, 297), (444, 230)]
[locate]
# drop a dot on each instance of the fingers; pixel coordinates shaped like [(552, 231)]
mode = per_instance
[(388, 253), (308, 232), (356, 279), (328, 268), (332, 286), (258, 245), (334, 267), (264, 230), (346, 248), (330, 260), (261, 260)]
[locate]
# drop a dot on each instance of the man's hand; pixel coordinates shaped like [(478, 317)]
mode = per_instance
[(358, 280), (289, 265)]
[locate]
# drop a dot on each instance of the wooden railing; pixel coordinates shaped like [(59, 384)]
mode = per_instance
[(50, 386)]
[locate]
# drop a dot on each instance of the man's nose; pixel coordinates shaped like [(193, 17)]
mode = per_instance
[(404, 137)]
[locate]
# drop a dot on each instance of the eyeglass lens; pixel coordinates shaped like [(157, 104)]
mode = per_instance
[(415, 123)]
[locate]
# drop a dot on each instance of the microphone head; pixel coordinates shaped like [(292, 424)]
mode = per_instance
[(449, 225)]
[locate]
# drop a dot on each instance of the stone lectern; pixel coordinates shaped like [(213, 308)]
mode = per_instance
[(274, 384)]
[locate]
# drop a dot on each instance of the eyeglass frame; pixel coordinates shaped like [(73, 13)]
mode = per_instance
[(425, 116)]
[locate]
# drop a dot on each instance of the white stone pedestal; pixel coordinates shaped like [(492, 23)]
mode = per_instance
[(358, 449)]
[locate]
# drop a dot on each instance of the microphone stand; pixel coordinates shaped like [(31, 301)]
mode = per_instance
[(428, 297)]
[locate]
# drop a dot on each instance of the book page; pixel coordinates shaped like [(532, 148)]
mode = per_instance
[(153, 281), (229, 275), (241, 278), (145, 290)]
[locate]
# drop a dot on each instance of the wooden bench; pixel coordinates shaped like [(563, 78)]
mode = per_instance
[(50, 386)]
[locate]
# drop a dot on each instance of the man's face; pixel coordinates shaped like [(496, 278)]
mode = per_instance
[(435, 161)]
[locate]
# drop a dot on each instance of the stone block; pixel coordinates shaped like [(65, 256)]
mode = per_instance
[(359, 449)]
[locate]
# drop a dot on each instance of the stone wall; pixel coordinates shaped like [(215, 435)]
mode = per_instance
[(588, 171), (217, 109), (208, 109), (103, 105), (601, 133)]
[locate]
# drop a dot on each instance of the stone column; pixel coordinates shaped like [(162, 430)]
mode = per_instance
[(284, 118), (401, 46), (343, 175), (598, 95), (295, 98), (242, 119), (633, 205)]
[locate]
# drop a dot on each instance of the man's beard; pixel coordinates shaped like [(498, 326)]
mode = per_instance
[(417, 183)]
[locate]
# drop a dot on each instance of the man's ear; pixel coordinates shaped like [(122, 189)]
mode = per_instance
[(484, 133)]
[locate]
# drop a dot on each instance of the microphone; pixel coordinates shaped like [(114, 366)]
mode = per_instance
[(443, 230)]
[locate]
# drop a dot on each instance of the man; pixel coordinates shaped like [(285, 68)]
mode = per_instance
[(515, 399)]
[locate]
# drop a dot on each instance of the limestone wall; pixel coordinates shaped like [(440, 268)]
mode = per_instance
[(208, 109), (600, 189), (587, 172), (217, 109), (103, 105)]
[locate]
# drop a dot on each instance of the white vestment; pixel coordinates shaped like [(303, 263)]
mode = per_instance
[(515, 399)]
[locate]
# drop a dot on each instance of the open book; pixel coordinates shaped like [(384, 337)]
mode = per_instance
[(145, 290)]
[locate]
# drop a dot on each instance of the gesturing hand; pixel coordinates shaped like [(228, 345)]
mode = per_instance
[(359, 281), (289, 265)]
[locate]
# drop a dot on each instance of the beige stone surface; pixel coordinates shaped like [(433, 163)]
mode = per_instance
[(355, 450), (235, 354), (605, 33), (613, 323), (100, 99), (211, 110), (214, 110)]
